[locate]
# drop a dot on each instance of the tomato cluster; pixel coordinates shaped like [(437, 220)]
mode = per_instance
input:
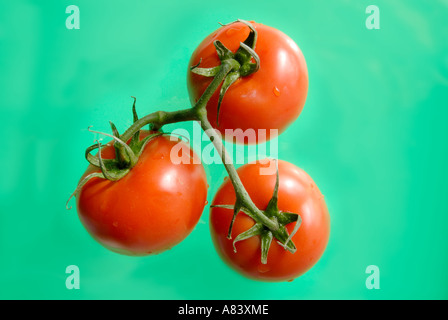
[(148, 206)]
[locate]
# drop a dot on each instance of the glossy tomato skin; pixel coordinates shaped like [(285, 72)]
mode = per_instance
[(298, 194), (153, 208), (271, 98)]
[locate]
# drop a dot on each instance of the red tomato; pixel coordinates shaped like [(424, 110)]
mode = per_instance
[(297, 194), (270, 98), (154, 207)]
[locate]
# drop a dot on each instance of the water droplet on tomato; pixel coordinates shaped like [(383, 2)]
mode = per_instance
[(157, 156), (276, 92), (206, 202)]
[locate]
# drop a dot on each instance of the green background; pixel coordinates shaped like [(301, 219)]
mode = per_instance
[(373, 135)]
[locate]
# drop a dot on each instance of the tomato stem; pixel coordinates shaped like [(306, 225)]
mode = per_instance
[(241, 194), (158, 119), (224, 69), (196, 113)]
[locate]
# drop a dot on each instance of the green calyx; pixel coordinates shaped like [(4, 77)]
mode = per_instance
[(126, 155), (265, 233), (245, 61)]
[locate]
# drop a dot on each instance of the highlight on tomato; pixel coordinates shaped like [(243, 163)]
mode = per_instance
[(145, 209), (297, 193), (265, 101)]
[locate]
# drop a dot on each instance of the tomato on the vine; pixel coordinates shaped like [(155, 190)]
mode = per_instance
[(297, 193), (152, 208), (270, 98)]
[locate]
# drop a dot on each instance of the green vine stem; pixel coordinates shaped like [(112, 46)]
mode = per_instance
[(199, 113), (242, 197)]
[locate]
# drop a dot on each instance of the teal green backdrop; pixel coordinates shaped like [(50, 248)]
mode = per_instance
[(373, 135)]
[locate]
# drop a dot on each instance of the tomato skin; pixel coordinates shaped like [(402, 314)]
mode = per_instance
[(154, 207), (297, 194), (271, 98)]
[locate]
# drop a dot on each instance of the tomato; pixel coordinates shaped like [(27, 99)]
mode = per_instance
[(297, 193), (151, 209), (269, 99)]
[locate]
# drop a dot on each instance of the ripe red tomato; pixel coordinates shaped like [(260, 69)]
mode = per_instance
[(270, 98), (297, 193), (151, 209)]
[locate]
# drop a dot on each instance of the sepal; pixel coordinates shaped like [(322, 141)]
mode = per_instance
[(281, 234)]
